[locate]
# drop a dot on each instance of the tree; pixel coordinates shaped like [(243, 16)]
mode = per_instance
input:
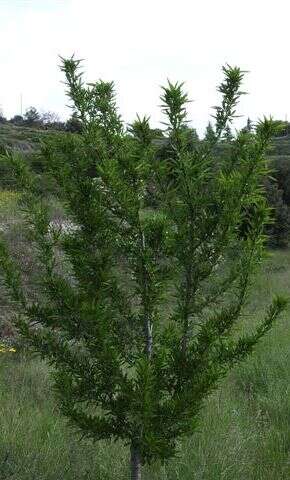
[(166, 151), (190, 138), (140, 333), (157, 133), (73, 124), (210, 136), (32, 117), (2, 118), (17, 120), (228, 136), (279, 228), (249, 126), (49, 117)]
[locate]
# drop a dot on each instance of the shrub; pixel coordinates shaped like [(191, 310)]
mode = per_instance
[(140, 334)]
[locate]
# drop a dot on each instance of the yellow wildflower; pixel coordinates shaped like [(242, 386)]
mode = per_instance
[(5, 349)]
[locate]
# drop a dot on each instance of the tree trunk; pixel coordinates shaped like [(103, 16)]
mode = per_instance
[(135, 463)]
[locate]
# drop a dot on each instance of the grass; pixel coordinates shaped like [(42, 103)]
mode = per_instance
[(22, 137), (244, 431)]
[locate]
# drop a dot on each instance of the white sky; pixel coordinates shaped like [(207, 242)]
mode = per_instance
[(141, 43)]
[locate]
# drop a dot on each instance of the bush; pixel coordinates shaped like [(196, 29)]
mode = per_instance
[(140, 332)]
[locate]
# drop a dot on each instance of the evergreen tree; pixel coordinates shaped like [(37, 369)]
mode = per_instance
[(191, 138), (73, 124), (139, 333), (210, 135), (248, 127), (228, 136)]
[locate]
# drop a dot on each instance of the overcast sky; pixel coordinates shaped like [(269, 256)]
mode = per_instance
[(141, 43)]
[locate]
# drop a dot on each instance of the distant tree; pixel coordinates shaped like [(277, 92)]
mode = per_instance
[(281, 173), (228, 136), (210, 135), (157, 133), (74, 124), (49, 118), (279, 229), (190, 137), (32, 117), (17, 120), (141, 334), (249, 126), (2, 118), (58, 126)]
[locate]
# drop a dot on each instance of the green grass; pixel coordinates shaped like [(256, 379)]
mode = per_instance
[(22, 138), (244, 430)]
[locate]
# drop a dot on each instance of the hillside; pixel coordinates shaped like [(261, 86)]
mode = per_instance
[(281, 147), (26, 139)]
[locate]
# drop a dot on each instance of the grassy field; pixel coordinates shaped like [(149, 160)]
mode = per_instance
[(244, 431)]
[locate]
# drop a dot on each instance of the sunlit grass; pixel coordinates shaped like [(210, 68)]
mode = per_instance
[(8, 205)]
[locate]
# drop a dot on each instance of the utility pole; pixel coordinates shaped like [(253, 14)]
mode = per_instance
[(21, 102)]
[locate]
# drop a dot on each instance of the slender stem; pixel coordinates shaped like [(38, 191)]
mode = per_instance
[(148, 324), (135, 463)]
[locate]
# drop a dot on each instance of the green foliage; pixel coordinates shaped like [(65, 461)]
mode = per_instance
[(282, 128), (73, 124), (228, 136), (281, 173), (245, 425), (279, 228), (2, 118), (141, 331), (31, 116), (248, 128), (210, 134), (17, 120)]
